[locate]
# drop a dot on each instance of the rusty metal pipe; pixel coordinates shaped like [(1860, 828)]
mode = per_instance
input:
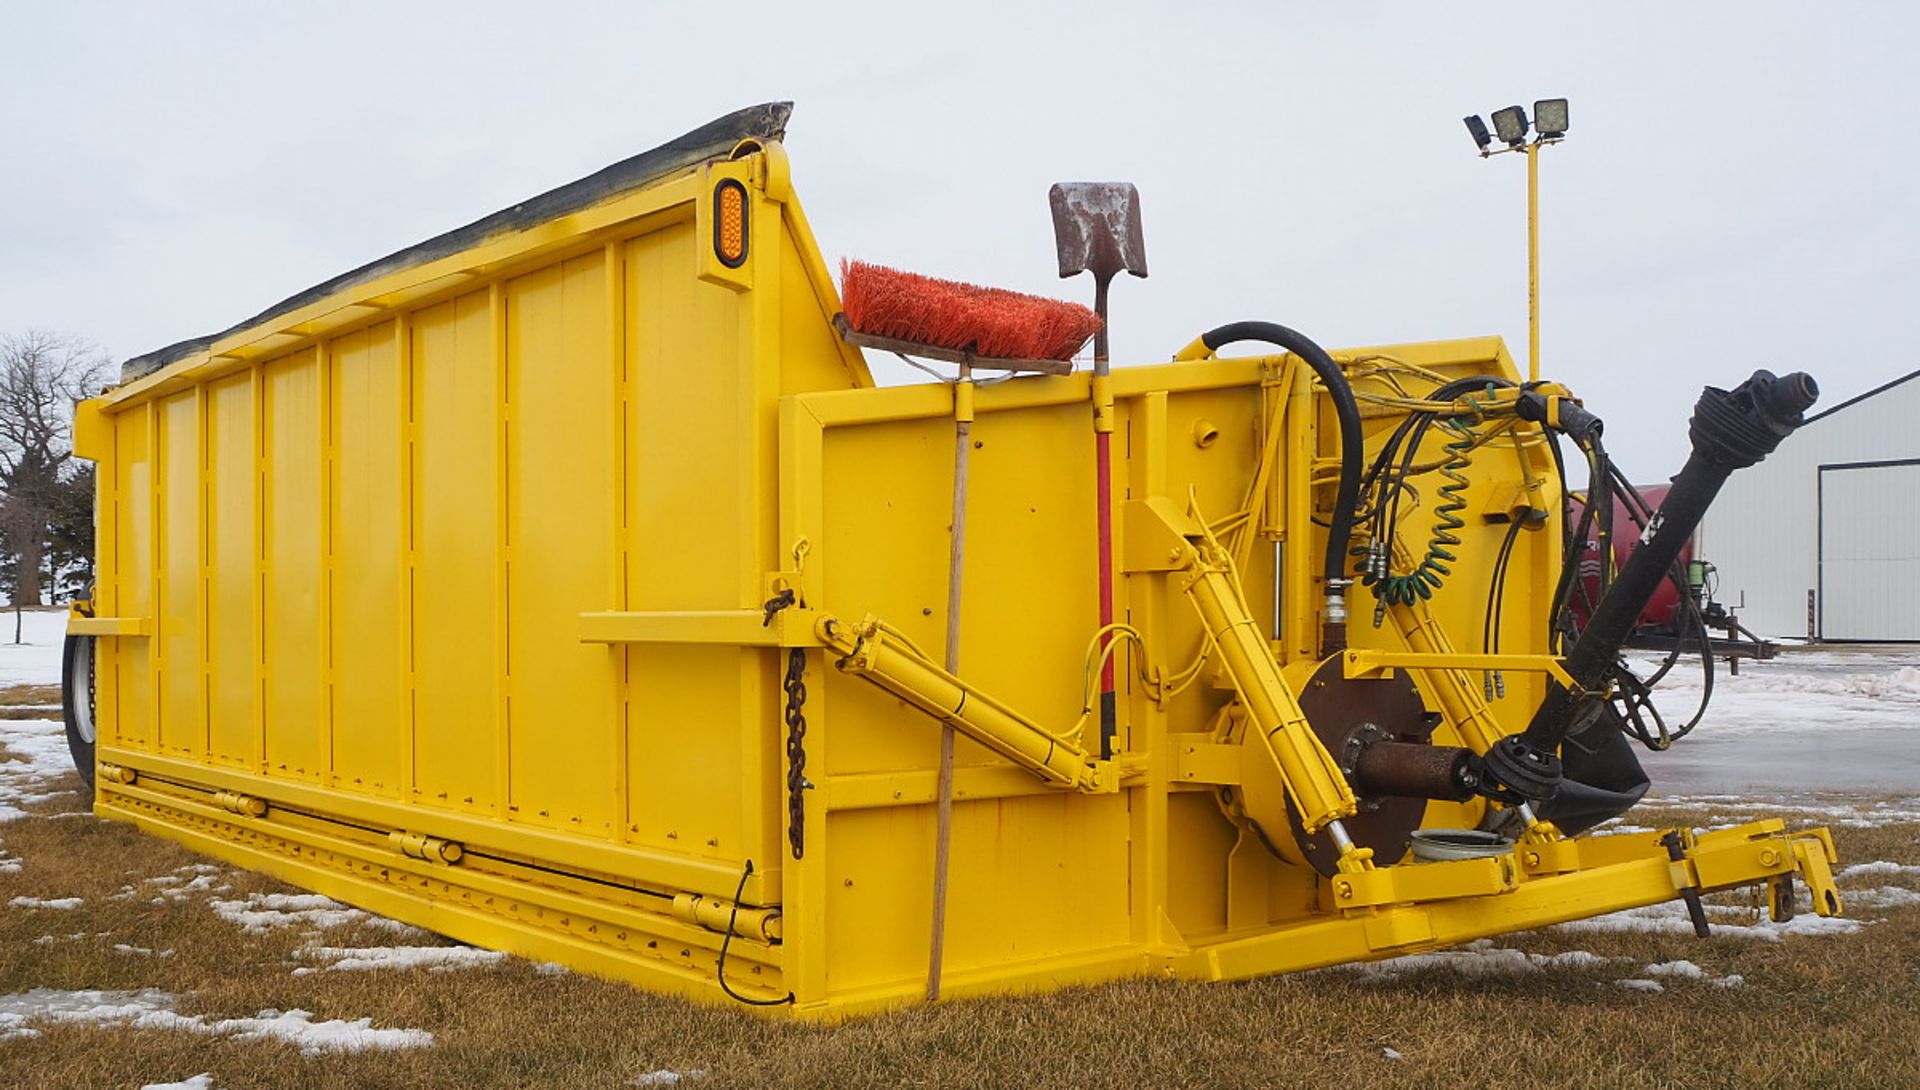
[(1416, 771)]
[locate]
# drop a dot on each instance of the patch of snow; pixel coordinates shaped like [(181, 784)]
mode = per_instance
[(173, 889), (550, 968), (1573, 959), (1390, 1053), (439, 959), (142, 951), (1638, 985), (1731, 980), (1879, 868), (665, 1077), (37, 750), (36, 659), (153, 1009), (202, 1081), (1670, 918), (1727, 810), (1884, 897), (298, 1028), (62, 903), (264, 912), (1683, 969), (1479, 958), (1791, 677)]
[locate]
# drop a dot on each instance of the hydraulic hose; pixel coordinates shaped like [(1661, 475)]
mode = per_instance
[(1347, 413)]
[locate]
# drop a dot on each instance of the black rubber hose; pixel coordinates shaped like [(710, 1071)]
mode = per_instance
[(1345, 410)]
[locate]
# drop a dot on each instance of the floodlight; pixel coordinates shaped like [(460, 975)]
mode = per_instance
[(1479, 130), (1550, 118), (1511, 124)]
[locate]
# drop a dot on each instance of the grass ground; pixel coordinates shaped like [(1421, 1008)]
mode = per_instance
[(1822, 1010)]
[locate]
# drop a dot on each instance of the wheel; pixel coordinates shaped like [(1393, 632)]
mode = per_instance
[(76, 692)]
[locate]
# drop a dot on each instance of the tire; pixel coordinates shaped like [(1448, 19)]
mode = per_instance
[(76, 699)]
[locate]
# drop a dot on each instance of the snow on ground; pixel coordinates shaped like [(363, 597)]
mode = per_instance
[(1479, 958), (260, 913), (1879, 868), (1841, 718), (141, 951), (439, 959), (35, 660), (667, 1077), (62, 903), (1883, 897), (1733, 809), (153, 1009), (172, 888), (38, 749), (1670, 917), (202, 1081)]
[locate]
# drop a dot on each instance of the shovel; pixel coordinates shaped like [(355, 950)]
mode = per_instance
[(1096, 228)]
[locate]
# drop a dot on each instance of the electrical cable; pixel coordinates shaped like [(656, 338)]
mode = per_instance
[(1496, 589), (721, 970)]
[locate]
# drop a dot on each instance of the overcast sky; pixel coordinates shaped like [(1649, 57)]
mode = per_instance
[(1735, 191)]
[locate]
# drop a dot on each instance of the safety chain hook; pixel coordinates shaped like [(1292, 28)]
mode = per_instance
[(796, 688)]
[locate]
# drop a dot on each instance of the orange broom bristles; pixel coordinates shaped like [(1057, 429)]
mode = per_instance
[(988, 322)]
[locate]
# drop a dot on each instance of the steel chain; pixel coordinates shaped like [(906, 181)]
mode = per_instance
[(796, 688)]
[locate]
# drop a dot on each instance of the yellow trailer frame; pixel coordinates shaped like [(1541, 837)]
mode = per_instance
[(564, 592)]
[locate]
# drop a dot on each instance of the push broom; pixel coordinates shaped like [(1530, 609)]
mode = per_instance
[(975, 327)]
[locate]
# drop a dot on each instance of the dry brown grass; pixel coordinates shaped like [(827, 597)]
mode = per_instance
[(13, 697), (1815, 1011)]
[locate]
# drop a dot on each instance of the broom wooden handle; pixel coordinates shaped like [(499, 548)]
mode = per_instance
[(956, 568)]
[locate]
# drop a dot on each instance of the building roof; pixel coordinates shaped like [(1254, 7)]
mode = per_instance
[(1880, 389)]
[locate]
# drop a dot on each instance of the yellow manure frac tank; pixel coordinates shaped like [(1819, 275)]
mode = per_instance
[(565, 585)]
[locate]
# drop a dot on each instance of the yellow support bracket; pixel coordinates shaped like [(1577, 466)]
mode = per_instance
[(108, 626), (1420, 882), (1373, 663)]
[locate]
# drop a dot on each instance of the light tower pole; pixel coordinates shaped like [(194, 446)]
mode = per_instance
[(1510, 126)]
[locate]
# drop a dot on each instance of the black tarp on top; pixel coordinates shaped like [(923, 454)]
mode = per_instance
[(767, 121)]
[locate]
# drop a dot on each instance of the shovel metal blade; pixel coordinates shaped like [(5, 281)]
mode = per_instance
[(1096, 226)]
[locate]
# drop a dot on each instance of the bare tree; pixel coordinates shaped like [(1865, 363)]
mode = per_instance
[(42, 374)]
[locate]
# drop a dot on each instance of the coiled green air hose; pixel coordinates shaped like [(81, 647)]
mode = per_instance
[(1435, 564)]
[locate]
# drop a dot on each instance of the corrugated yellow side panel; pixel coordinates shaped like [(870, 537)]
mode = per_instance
[(233, 665), (367, 591), (183, 715), (130, 666), (562, 461), (457, 703), (295, 698), (690, 485)]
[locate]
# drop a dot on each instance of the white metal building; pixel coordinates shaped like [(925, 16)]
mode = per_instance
[(1823, 538)]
